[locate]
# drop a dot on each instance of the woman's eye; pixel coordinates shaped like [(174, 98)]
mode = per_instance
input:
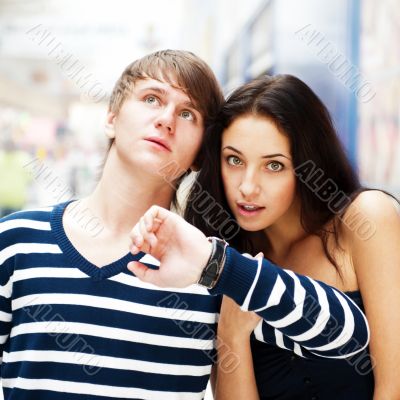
[(275, 166), (233, 160), (151, 100), (187, 115)]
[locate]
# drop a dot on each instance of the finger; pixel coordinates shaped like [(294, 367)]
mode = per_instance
[(151, 223), (142, 227), (149, 238), (159, 213), (150, 243), (148, 221), (156, 225), (141, 271), (134, 250), (132, 236), (141, 239), (136, 236)]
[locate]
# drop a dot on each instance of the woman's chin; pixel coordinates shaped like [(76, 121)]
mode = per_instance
[(250, 226)]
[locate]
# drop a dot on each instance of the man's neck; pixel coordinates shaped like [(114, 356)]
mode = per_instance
[(122, 196)]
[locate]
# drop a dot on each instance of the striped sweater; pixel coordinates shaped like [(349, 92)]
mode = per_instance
[(300, 314), (71, 330)]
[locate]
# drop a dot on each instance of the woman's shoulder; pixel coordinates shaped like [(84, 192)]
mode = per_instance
[(376, 203), (367, 232), (370, 210)]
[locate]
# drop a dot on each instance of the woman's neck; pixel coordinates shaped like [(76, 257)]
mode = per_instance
[(284, 234)]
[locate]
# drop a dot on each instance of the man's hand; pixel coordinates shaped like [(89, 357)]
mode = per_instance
[(182, 249)]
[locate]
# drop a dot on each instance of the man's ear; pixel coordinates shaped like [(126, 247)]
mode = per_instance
[(109, 125)]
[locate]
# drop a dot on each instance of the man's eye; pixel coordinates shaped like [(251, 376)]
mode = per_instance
[(275, 166), (233, 160), (187, 115), (151, 100)]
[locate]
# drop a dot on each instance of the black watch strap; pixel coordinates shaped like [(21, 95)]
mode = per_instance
[(212, 271)]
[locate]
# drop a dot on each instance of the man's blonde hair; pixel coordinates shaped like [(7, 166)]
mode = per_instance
[(179, 68)]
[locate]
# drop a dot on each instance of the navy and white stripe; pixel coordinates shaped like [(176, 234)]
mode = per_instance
[(70, 330), (299, 314)]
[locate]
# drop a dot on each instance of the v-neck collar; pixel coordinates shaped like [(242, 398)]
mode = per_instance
[(78, 261)]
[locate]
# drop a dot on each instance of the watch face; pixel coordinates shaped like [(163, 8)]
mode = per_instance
[(210, 274), (212, 269)]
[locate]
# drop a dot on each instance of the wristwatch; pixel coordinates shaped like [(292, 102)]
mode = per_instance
[(212, 271)]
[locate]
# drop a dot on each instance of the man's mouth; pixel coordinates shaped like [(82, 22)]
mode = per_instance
[(160, 142)]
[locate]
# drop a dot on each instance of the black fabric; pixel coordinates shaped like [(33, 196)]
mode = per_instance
[(282, 375)]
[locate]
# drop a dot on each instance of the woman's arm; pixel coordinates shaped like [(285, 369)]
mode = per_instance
[(376, 259), (235, 376), (320, 320), (310, 317)]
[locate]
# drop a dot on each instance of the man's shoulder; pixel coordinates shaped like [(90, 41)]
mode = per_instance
[(32, 214), (32, 220)]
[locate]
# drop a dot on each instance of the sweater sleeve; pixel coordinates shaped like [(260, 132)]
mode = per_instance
[(5, 288), (319, 320)]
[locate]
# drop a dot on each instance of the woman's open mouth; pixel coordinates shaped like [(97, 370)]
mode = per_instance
[(249, 209)]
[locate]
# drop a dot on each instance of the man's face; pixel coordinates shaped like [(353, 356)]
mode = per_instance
[(156, 126)]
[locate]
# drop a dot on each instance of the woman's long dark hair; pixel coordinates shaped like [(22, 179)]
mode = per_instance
[(301, 115)]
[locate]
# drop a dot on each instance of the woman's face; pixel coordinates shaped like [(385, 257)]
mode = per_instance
[(257, 172)]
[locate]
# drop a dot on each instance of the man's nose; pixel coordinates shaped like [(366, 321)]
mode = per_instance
[(167, 120)]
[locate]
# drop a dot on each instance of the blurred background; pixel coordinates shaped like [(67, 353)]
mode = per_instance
[(59, 60)]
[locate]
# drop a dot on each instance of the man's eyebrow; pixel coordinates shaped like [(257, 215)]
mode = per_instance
[(189, 104), (154, 89), (266, 156)]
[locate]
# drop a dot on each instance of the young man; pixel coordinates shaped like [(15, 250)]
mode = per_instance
[(75, 324)]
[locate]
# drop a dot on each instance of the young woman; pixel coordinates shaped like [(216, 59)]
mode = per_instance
[(276, 165)]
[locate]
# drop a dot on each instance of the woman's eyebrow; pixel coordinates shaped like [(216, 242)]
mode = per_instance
[(275, 155), (232, 148), (266, 156)]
